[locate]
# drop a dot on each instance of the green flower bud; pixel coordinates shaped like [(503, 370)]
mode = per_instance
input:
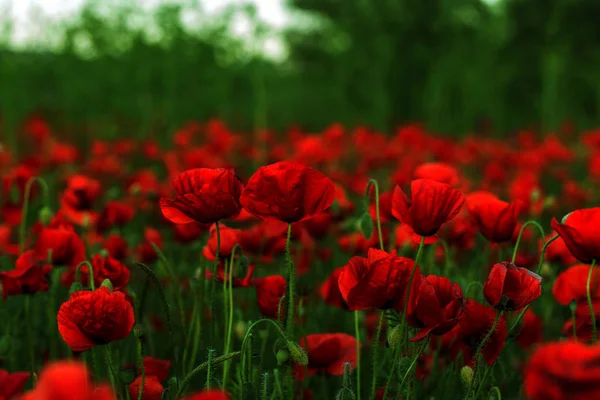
[(45, 215), (395, 336), (75, 287), (282, 355), (108, 284), (366, 225), (298, 354), (466, 376), (138, 331)]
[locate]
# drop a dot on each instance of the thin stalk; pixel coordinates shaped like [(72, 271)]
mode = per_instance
[(213, 283), (525, 225), (26, 195), (414, 361), (376, 356), (111, 373), (90, 273), (291, 272), (373, 182), (358, 358), (479, 350), (228, 279), (408, 289), (589, 301), (140, 361), (28, 324)]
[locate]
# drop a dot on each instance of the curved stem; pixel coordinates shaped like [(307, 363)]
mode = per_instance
[(471, 286), (414, 361), (480, 349), (358, 358), (590, 304), (376, 356), (26, 195), (245, 340), (373, 182), (201, 368), (498, 394), (525, 225), (90, 273)]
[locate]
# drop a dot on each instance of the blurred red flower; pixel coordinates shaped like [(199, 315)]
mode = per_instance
[(12, 385), (269, 291), (496, 219), (579, 230), (327, 353), (28, 277), (511, 288)]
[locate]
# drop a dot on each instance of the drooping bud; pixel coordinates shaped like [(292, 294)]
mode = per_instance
[(282, 355), (45, 215), (297, 353), (75, 287), (395, 337), (240, 329), (108, 284), (366, 225), (466, 376)]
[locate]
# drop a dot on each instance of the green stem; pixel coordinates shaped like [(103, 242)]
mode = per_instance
[(209, 371), (111, 373), (479, 350), (376, 356), (264, 393), (525, 225), (408, 289), (358, 358), (471, 286), (249, 331), (90, 273), (590, 304), (291, 272), (373, 182), (165, 307), (140, 360), (26, 195), (213, 283), (201, 368), (28, 325), (414, 361), (229, 279)]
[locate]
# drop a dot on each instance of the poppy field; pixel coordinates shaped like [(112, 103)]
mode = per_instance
[(348, 263)]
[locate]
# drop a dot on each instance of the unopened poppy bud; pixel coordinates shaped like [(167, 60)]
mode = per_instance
[(345, 393), (240, 329), (75, 287), (546, 271), (282, 355), (108, 284), (535, 195), (297, 353), (573, 306), (135, 189), (366, 225), (138, 331), (86, 222), (549, 202), (45, 215), (466, 376), (103, 253), (395, 336)]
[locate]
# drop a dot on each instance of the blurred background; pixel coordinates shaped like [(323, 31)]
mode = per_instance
[(141, 67)]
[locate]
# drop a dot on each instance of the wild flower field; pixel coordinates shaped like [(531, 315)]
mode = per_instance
[(342, 264)]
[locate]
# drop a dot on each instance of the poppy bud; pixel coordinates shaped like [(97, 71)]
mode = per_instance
[(345, 394), (75, 287), (45, 215), (298, 355), (108, 284), (466, 376), (240, 329), (366, 225), (395, 337), (103, 253), (282, 355)]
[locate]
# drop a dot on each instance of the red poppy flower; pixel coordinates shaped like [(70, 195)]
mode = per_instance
[(152, 388), (580, 233), (330, 290), (287, 191), (115, 213), (437, 171), (269, 291), (94, 318), (78, 199), (583, 321), (530, 332), (145, 251), (7, 246), (496, 219), (66, 246), (432, 204), (203, 195), (510, 288), (229, 238), (12, 385), (264, 240), (436, 307), (385, 207), (378, 281), (327, 353), (68, 380), (210, 394), (570, 285), (157, 367), (563, 370), (116, 247), (557, 251), (28, 277), (476, 322)]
